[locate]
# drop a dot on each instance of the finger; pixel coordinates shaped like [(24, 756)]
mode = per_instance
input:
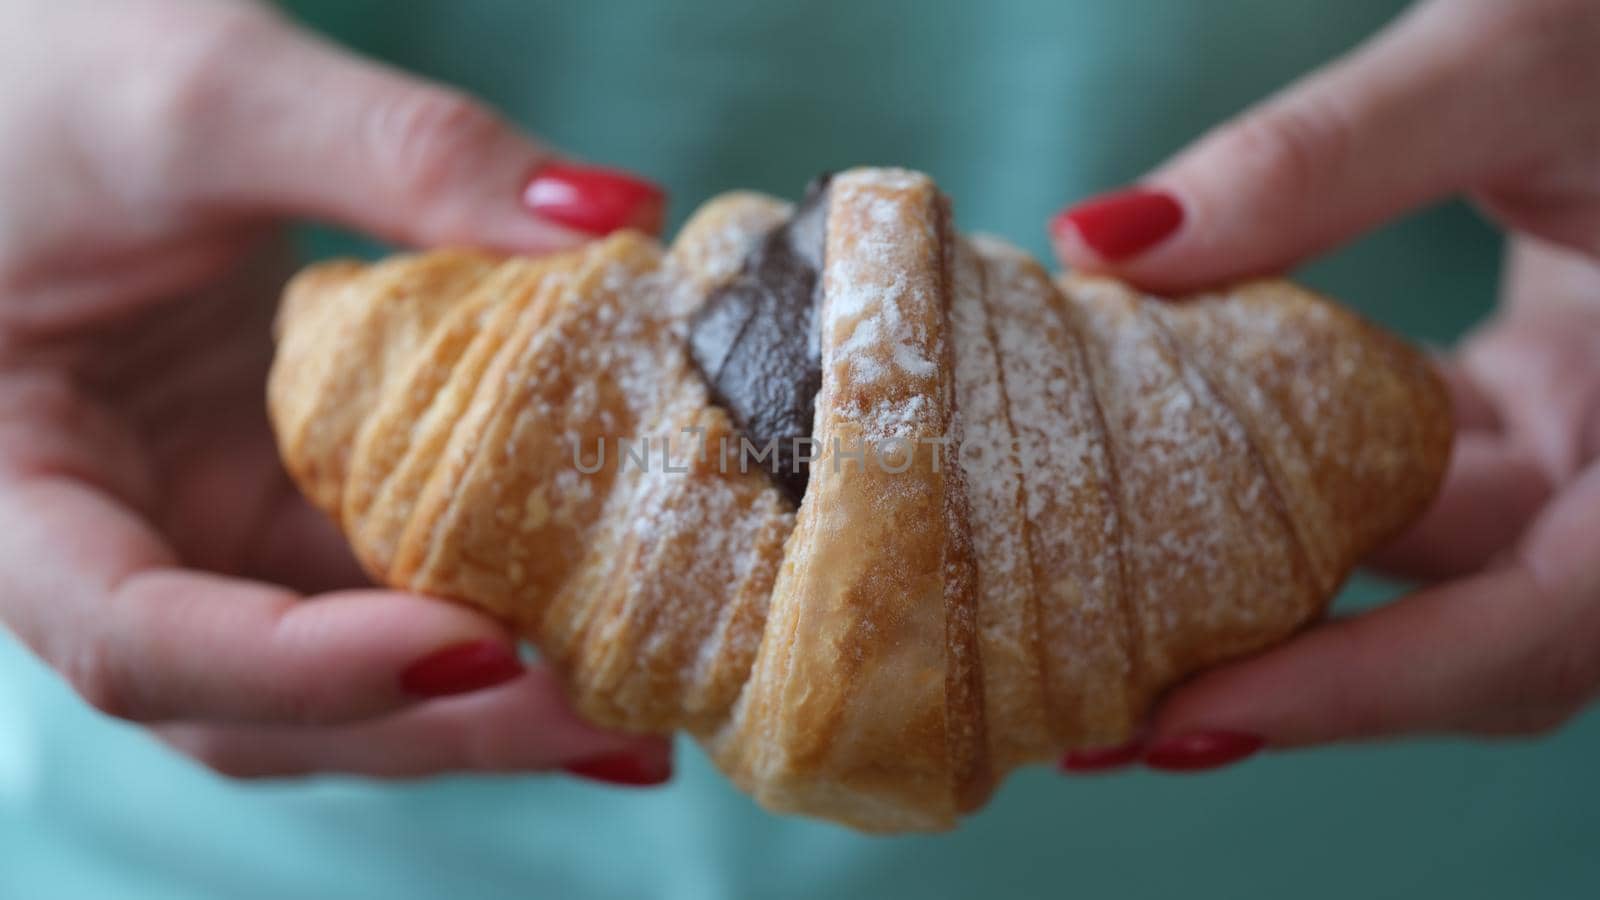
[(1439, 102), (1491, 492), (1471, 407), (1446, 659), (381, 151), (300, 548), (1540, 355), (522, 726), (1508, 651), (1494, 487), (182, 644), (230, 507), (98, 597), (1543, 278)]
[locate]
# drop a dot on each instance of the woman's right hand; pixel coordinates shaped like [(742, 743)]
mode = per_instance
[(154, 552)]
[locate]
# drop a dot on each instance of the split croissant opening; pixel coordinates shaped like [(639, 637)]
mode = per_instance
[(1162, 486)]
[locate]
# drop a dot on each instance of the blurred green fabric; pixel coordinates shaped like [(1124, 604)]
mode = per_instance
[(1016, 107)]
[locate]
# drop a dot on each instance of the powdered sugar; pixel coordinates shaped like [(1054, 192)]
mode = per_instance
[(1073, 524), (881, 300), (1207, 537)]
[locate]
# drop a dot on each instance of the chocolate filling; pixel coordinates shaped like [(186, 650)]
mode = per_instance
[(756, 342)]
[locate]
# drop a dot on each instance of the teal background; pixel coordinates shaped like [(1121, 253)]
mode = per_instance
[(1016, 107)]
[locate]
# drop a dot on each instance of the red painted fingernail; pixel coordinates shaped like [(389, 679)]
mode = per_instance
[(1202, 750), (1119, 225), (593, 199), (461, 669), (1101, 759), (626, 769)]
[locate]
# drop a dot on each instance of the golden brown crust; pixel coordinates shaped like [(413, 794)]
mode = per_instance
[(377, 314), (1151, 488), (852, 681), (1288, 362), (1212, 564), (1073, 525)]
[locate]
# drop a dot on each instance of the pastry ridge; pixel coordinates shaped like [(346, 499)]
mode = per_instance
[(1034, 504)]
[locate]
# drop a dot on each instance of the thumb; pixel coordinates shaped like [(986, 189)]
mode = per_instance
[(1439, 101), (295, 126)]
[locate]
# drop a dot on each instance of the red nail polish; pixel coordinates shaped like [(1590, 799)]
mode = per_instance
[(1202, 750), (1101, 759), (461, 669), (593, 199), (1119, 225), (624, 769)]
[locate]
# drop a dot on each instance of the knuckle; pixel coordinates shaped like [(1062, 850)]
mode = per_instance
[(176, 102), (1571, 674), (89, 673), (1291, 149), (305, 710), (424, 137), (1522, 723), (482, 748), (1547, 21), (1552, 683), (195, 77), (214, 754)]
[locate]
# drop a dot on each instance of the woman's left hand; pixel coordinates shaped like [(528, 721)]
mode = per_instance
[(1500, 101)]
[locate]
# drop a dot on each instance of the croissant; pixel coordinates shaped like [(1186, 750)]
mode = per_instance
[(1034, 505)]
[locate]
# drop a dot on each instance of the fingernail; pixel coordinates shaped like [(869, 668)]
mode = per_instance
[(1101, 759), (461, 669), (1123, 224), (1202, 750), (594, 199), (626, 769)]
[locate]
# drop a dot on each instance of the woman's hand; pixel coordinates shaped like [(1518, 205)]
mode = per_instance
[(1501, 101), (153, 551)]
